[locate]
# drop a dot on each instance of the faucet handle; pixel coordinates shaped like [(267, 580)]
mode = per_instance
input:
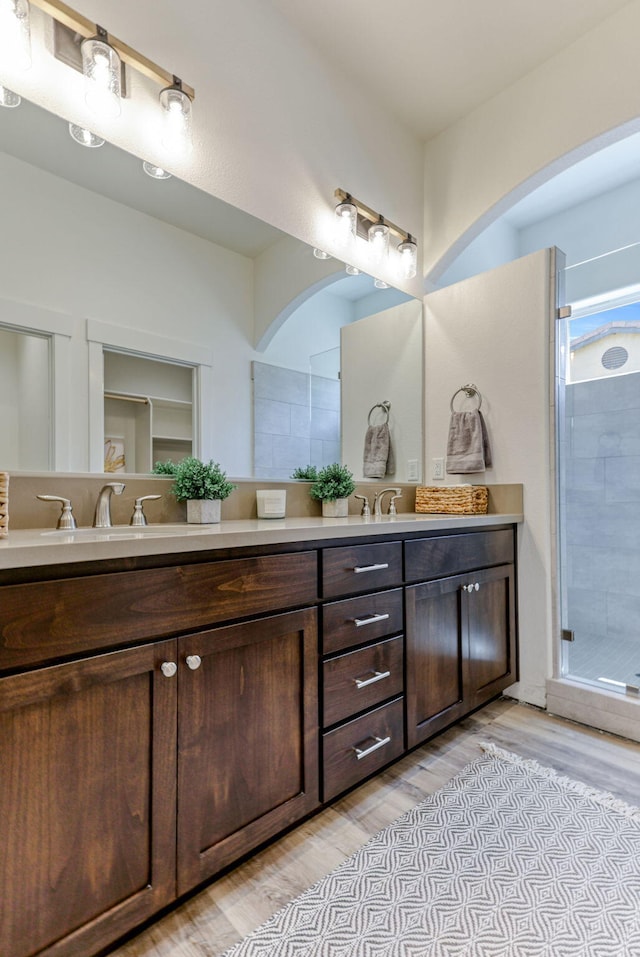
[(138, 517), (392, 502), (366, 508), (67, 518)]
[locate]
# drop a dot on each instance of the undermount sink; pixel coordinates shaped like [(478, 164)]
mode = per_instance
[(119, 531)]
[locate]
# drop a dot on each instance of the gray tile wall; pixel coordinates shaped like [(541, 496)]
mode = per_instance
[(296, 420), (602, 526)]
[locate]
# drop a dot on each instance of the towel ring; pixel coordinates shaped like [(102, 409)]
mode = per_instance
[(385, 406), (470, 391)]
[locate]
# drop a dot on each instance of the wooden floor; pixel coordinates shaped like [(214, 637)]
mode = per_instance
[(234, 905)]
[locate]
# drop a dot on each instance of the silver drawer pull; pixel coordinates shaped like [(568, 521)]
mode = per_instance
[(377, 676), (379, 743), (359, 622), (370, 568)]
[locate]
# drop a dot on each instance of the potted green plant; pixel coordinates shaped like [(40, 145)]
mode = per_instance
[(333, 487), (202, 485), (305, 473)]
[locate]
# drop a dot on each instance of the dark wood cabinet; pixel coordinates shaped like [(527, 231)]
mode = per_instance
[(461, 647), (87, 802), (247, 738)]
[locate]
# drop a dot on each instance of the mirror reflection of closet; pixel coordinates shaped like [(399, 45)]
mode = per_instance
[(25, 400), (148, 412)]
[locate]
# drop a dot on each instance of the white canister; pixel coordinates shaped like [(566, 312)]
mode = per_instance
[(272, 502)]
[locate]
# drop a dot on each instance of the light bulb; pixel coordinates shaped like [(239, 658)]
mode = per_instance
[(85, 137), (8, 98), (379, 241), (176, 119), (101, 67), (155, 172), (352, 270), (15, 34), (408, 251), (346, 223)]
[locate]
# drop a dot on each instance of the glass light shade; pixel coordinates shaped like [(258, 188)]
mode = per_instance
[(379, 241), (380, 284), (85, 137), (408, 251), (346, 223), (352, 270), (321, 254), (176, 119), (15, 34), (8, 98), (155, 172), (101, 67)]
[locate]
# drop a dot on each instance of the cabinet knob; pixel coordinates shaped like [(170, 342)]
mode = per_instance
[(168, 668), (193, 662)]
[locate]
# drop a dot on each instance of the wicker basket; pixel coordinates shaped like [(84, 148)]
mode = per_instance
[(453, 499), (4, 504)]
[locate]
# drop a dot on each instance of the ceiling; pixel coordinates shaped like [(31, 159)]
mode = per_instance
[(441, 58)]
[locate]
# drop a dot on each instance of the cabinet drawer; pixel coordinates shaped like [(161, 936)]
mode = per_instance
[(357, 749), (346, 571), (446, 555), (356, 620), (47, 620), (361, 679)]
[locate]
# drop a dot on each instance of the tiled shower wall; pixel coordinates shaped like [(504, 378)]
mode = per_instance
[(296, 419), (602, 525)]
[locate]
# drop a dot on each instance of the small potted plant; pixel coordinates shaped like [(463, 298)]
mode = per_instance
[(305, 473), (202, 485), (333, 487)]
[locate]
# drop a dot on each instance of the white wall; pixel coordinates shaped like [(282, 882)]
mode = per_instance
[(276, 129), (494, 330), (313, 327), (382, 360), (541, 124)]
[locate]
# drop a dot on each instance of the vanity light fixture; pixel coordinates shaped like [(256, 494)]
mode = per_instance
[(346, 221), (8, 98), (176, 117), (155, 172), (408, 252), (85, 137), (15, 34), (101, 67), (378, 235)]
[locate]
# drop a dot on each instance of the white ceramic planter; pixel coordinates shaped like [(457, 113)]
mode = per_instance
[(204, 511), (339, 508)]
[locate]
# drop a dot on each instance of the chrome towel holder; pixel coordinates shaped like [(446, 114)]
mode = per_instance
[(385, 406), (470, 390)]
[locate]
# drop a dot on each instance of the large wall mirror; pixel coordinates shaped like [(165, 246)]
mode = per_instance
[(232, 328)]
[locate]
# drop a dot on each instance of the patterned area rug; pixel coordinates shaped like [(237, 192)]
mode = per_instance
[(507, 860)]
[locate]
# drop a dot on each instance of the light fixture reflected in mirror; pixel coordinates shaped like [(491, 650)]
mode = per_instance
[(380, 284), (408, 252), (101, 67), (176, 118), (320, 254), (351, 270), (155, 172), (85, 137), (15, 34), (8, 98)]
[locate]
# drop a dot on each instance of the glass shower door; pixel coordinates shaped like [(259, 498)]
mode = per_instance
[(598, 411)]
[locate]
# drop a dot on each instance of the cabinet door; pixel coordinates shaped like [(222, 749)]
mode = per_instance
[(435, 635), (492, 666), (247, 738), (87, 801)]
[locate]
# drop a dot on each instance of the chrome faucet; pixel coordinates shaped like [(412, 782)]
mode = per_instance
[(102, 517), (377, 502)]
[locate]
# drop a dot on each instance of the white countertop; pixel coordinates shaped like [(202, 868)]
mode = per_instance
[(24, 548)]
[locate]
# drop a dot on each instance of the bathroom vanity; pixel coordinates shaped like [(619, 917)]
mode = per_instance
[(170, 700)]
